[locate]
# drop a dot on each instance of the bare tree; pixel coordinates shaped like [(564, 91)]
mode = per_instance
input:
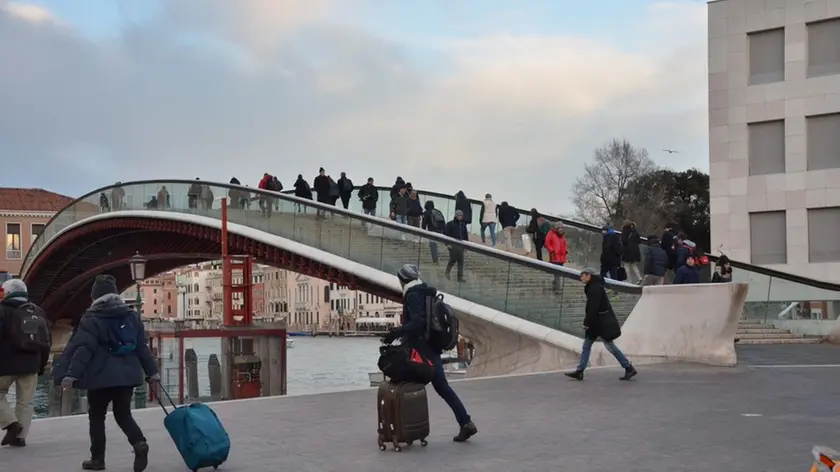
[(599, 194)]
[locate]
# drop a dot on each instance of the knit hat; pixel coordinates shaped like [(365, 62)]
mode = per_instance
[(590, 271), (103, 285), (408, 272), (14, 288), (459, 213)]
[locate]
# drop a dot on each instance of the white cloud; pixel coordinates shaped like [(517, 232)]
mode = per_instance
[(28, 12), (513, 115)]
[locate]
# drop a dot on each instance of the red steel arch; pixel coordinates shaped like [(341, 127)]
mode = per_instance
[(61, 276)]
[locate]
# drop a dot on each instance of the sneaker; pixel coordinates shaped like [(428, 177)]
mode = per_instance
[(577, 375), (93, 464), (467, 431), (141, 456), (629, 373), (12, 432)]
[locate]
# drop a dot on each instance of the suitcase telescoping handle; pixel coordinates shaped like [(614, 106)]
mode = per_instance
[(160, 388)]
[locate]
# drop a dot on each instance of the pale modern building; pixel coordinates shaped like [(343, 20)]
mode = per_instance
[(774, 133)]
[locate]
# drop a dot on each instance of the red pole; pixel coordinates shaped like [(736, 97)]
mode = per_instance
[(227, 276), (180, 369)]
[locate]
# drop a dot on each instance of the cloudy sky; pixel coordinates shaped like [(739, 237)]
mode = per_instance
[(505, 96)]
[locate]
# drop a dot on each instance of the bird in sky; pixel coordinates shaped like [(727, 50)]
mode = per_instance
[(671, 151)]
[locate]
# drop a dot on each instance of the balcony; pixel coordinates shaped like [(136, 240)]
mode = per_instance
[(14, 254)]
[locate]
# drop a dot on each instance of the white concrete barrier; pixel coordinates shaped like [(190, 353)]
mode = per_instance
[(695, 323)]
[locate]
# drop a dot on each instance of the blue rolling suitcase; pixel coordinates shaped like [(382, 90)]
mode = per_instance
[(197, 432)]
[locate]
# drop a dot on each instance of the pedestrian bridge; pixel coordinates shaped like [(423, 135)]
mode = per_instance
[(508, 303)]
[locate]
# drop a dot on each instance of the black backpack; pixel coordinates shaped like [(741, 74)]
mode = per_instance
[(28, 328), (347, 185), (437, 219), (333, 192), (441, 324)]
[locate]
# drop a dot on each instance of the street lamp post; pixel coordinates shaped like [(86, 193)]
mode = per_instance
[(137, 264)]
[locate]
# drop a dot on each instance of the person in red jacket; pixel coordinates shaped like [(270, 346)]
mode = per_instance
[(558, 249), (555, 243)]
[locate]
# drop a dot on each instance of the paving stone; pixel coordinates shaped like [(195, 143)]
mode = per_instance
[(674, 417)]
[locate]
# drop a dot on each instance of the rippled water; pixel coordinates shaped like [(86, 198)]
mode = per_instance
[(314, 365)]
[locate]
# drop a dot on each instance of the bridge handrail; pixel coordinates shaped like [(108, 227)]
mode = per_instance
[(566, 272), (820, 284)]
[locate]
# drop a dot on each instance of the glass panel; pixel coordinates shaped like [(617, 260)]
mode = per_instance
[(537, 292), (756, 307)]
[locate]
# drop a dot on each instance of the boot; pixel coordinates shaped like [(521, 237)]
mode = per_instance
[(141, 456), (629, 373), (18, 442), (12, 432), (467, 431), (93, 464), (577, 375)]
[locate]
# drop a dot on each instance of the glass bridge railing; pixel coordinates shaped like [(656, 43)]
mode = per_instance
[(773, 295), (536, 291)]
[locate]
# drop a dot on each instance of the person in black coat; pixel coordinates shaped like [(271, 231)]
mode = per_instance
[(723, 271), (600, 322), (412, 333), (611, 251), (668, 243), (656, 262), (463, 203), (537, 236), (369, 196), (632, 255), (456, 229), (508, 217), (302, 190), (345, 190)]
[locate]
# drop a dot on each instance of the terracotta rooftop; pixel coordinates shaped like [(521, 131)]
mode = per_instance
[(31, 199)]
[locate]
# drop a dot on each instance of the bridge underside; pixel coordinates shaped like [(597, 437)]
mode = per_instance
[(61, 277)]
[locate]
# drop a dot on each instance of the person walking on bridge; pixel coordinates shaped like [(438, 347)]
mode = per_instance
[(107, 356), (412, 333), (600, 322), (24, 350)]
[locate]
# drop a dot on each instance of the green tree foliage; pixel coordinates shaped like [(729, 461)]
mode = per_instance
[(664, 196)]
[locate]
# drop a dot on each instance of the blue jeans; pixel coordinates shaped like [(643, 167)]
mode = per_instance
[(433, 248), (401, 219), (614, 350), (441, 386), (492, 227)]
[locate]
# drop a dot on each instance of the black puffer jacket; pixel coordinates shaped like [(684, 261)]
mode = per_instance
[(508, 216), (656, 259), (463, 204)]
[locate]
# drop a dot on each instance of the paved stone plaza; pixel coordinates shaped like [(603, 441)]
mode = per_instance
[(674, 417)]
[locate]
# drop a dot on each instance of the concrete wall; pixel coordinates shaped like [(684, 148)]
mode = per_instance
[(694, 323)]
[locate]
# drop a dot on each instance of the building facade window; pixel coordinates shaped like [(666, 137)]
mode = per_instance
[(823, 222), (36, 230), (823, 136), (766, 147), (768, 237), (14, 249), (766, 56), (824, 48)]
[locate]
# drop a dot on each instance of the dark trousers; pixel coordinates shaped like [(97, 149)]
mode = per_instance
[(441, 386), (456, 256), (98, 401), (538, 247), (345, 200), (609, 272)]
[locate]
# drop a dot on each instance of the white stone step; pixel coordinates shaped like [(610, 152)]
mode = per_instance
[(762, 331), (780, 341), (783, 335)]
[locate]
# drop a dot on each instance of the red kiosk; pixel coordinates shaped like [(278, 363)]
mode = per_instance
[(248, 351)]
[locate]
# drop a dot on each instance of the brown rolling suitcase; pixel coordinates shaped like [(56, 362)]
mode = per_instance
[(403, 410)]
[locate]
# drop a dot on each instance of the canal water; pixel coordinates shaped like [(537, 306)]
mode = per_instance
[(315, 365)]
